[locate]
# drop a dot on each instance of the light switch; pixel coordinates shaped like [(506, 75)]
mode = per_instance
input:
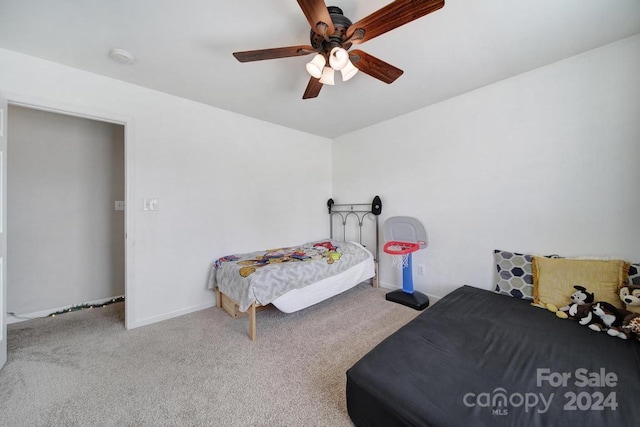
[(151, 204), (119, 205)]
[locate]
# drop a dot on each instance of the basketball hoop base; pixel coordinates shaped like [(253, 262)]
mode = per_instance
[(416, 300)]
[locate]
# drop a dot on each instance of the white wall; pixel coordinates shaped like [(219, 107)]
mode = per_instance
[(65, 240), (226, 183), (545, 162)]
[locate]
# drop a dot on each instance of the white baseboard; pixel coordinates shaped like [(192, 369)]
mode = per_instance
[(15, 318), (172, 314)]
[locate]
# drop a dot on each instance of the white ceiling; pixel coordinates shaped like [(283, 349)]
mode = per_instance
[(184, 48)]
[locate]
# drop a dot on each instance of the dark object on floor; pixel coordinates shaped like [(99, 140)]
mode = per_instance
[(416, 300)]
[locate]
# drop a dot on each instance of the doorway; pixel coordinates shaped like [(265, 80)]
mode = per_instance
[(67, 212)]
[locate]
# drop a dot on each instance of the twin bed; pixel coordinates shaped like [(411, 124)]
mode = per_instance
[(294, 278)]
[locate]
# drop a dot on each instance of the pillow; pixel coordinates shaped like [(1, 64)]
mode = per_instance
[(515, 275), (553, 279)]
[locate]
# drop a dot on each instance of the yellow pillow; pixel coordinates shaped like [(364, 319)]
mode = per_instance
[(554, 279)]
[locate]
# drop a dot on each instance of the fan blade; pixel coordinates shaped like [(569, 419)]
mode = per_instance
[(316, 11), (392, 16), (313, 88), (374, 67), (277, 52)]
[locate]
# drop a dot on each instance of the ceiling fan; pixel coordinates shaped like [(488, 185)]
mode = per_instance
[(333, 34)]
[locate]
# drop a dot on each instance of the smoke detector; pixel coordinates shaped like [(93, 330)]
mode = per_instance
[(122, 56)]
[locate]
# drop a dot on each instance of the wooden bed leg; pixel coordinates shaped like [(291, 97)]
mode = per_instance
[(233, 309), (252, 322)]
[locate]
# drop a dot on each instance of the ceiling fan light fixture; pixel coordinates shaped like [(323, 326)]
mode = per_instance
[(338, 58), (332, 34), (327, 77), (316, 66), (348, 71)]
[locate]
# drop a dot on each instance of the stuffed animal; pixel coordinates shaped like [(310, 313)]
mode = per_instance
[(587, 317), (631, 325), (630, 295), (614, 319), (581, 300), (602, 316), (579, 309)]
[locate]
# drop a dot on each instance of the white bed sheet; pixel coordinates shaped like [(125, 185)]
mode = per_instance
[(298, 299)]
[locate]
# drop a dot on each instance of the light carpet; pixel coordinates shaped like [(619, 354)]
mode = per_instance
[(84, 369)]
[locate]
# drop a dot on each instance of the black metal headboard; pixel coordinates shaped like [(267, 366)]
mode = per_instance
[(359, 211)]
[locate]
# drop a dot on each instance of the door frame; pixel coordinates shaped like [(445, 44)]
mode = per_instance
[(129, 211), (4, 116)]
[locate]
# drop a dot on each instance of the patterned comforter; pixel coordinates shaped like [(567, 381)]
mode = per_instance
[(263, 276)]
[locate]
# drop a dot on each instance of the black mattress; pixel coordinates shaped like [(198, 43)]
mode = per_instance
[(478, 358)]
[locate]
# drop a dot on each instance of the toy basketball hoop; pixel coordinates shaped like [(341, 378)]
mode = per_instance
[(404, 236), (400, 252)]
